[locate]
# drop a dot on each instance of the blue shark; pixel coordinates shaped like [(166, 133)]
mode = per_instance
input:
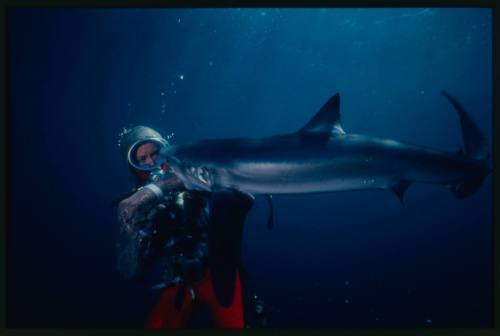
[(322, 157)]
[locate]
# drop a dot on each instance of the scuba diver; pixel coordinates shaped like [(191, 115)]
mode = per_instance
[(195, 236)]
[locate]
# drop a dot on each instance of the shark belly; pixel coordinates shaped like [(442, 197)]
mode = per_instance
[(308, 177), (359, 169)]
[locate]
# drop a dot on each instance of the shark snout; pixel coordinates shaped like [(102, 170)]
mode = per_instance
[(197, 175)]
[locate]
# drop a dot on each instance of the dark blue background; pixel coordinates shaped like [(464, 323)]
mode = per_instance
[(77, 76)]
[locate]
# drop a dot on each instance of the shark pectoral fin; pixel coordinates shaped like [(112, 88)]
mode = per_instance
[(400, 188), (270, 219), (326, 121)]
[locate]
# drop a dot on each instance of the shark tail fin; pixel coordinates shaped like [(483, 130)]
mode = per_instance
[(475, 148), (475, 144)]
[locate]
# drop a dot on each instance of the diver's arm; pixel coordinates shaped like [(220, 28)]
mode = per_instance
[(136, 228), (136, 208)]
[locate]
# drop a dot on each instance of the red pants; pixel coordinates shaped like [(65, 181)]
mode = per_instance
[(166, 315)]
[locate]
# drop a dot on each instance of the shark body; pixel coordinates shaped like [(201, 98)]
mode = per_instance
[(321, 157)]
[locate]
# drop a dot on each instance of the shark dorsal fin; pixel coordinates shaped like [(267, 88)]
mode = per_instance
[(326, 122)]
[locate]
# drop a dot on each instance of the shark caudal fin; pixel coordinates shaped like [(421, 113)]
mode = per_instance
[(474, 141), (475, 147)]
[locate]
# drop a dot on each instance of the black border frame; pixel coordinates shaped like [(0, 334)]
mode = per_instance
[(5, 183)]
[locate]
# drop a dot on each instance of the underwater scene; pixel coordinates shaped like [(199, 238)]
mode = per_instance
[(405, 254)]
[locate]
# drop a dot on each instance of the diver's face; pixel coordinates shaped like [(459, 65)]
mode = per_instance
[(147, 154)]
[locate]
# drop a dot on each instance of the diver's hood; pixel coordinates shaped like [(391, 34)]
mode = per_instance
[(131, 139)]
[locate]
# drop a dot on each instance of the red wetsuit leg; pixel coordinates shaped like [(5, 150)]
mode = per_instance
[(223, 317), (165, 314)]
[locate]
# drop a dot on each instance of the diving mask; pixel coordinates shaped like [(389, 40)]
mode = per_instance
[(147, 155)]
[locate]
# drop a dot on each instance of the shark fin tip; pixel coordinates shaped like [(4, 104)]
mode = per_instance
[(400, 188)]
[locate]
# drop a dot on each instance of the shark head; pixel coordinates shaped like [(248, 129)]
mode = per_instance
[(193, 175)]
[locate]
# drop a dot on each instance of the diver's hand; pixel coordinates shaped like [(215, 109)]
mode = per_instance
[(145, 204), (170, 182)]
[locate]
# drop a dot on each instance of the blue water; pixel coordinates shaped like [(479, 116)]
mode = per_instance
[(349, 259)]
